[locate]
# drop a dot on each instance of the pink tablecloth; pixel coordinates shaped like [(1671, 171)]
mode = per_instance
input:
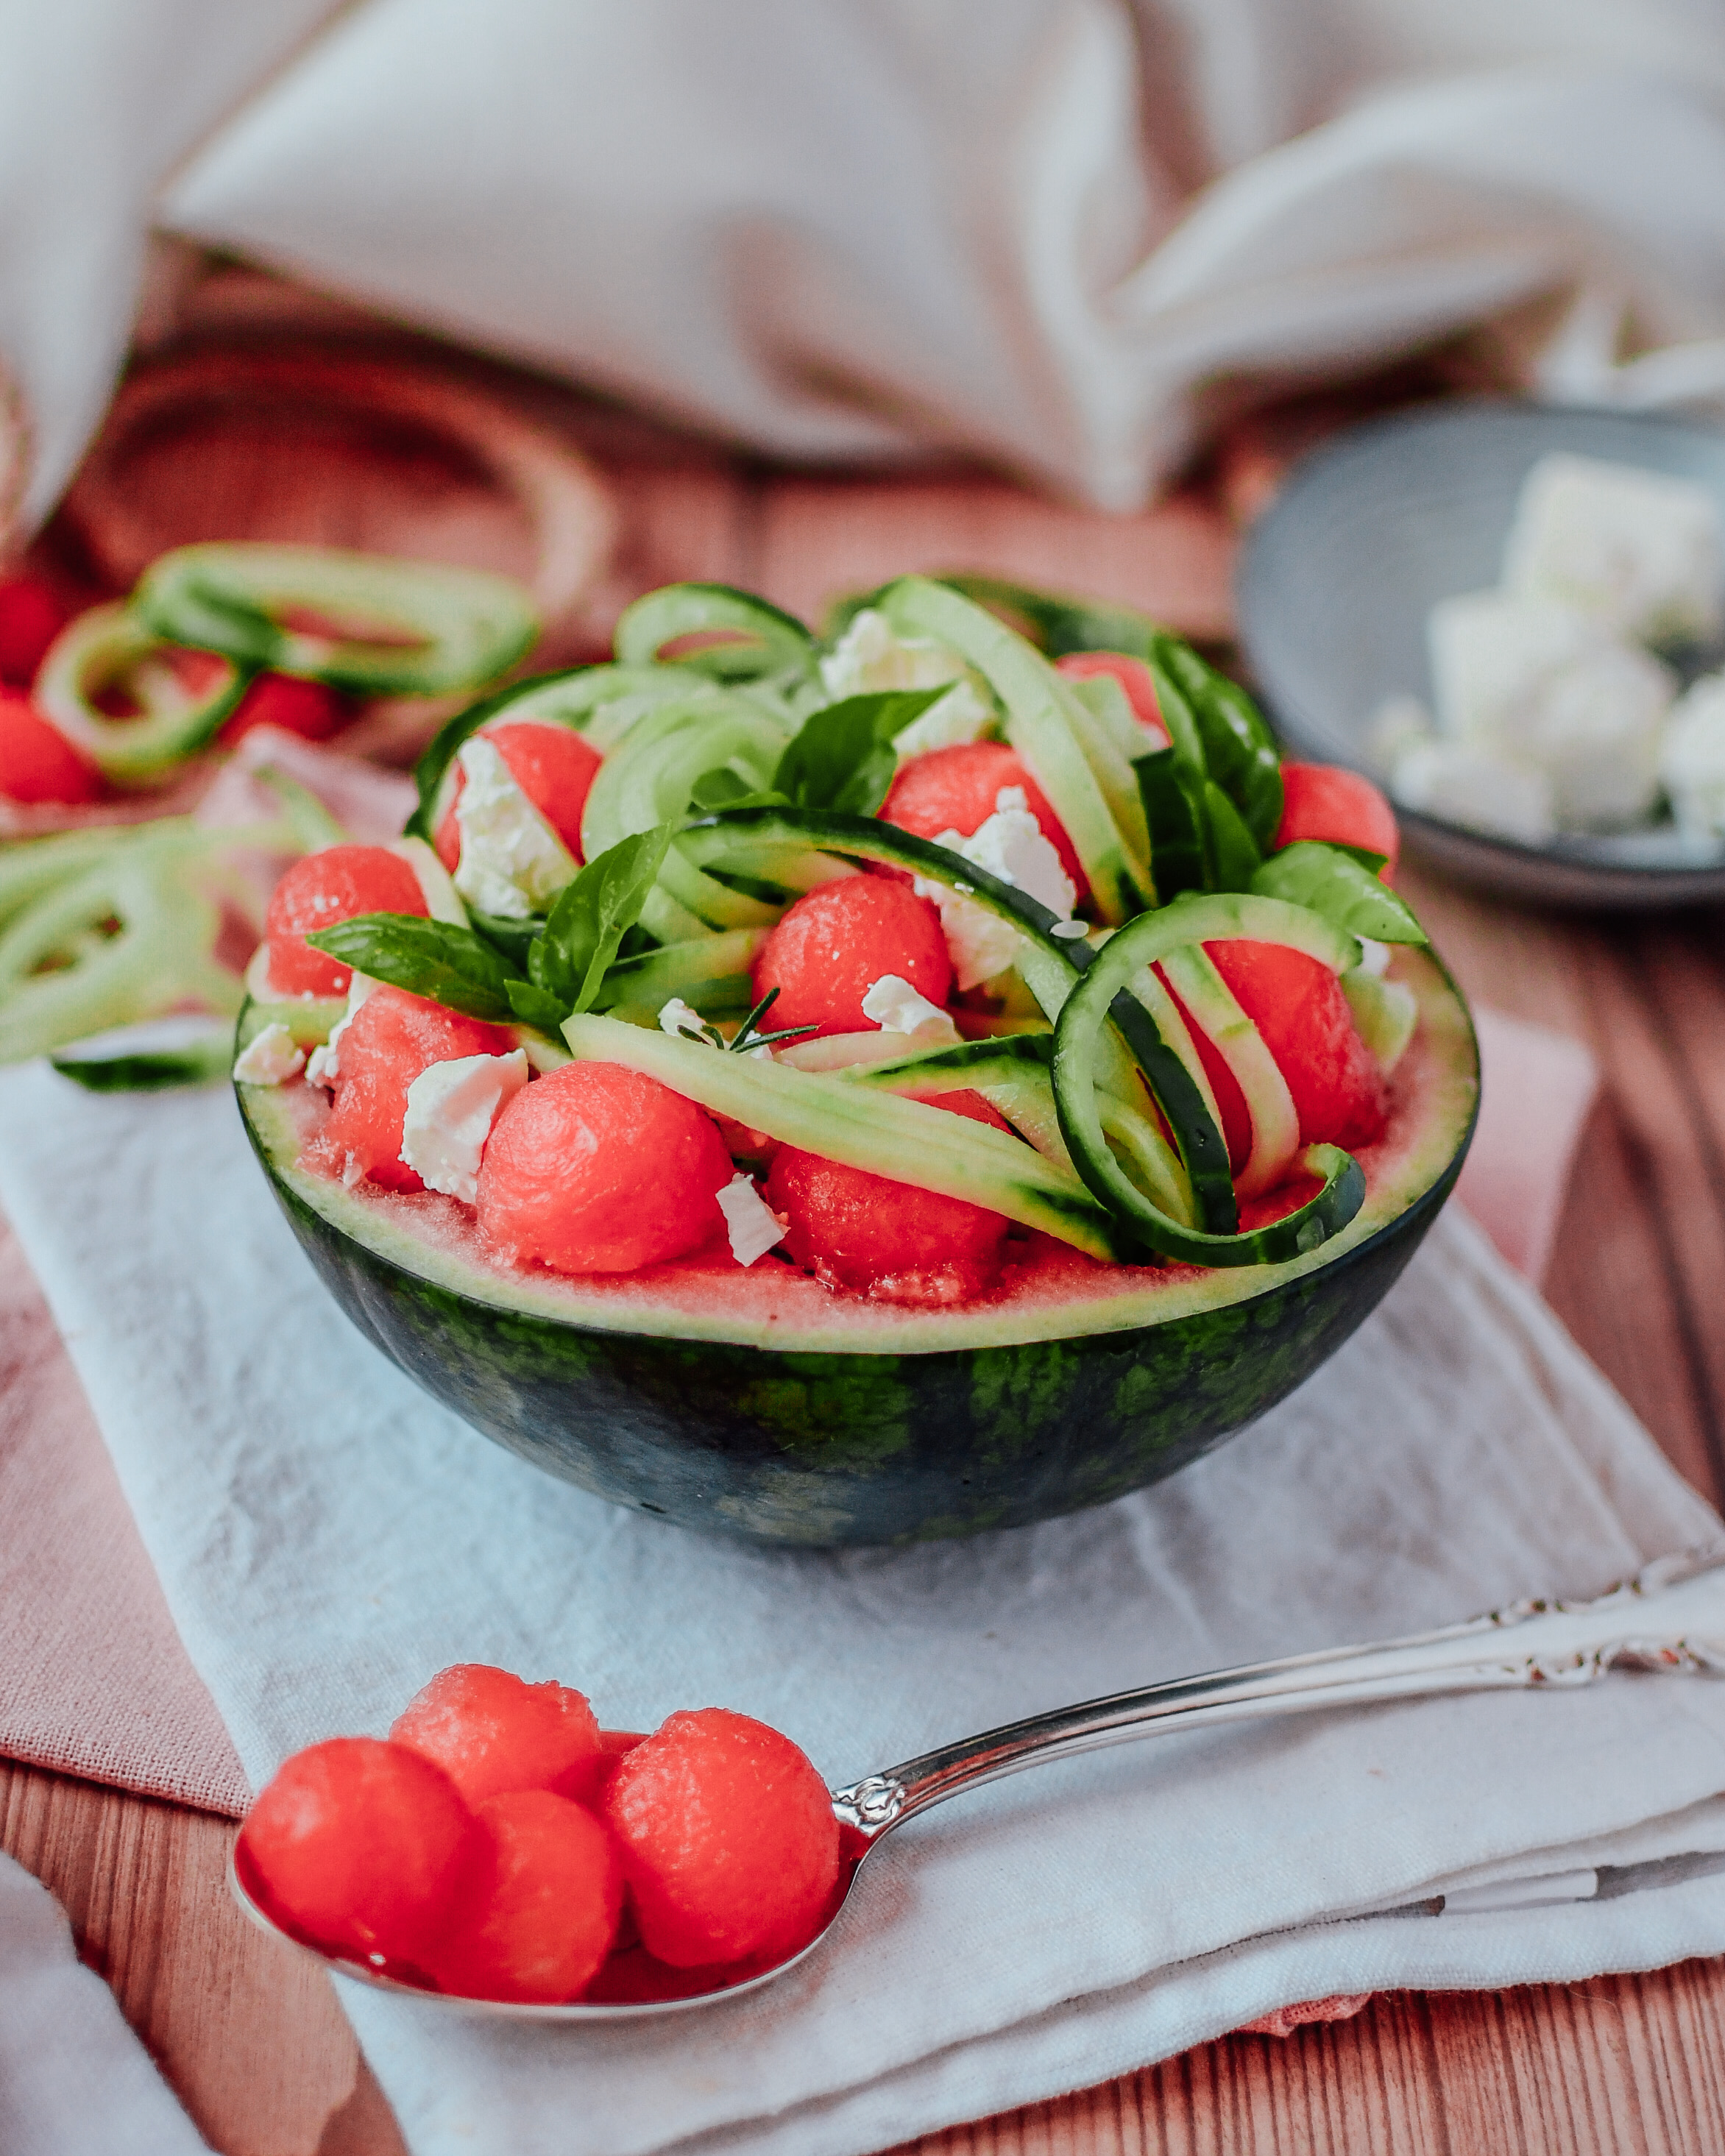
[(96, 1682)]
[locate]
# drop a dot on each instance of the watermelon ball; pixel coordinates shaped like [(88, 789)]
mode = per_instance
[(493, 1733), (888, 1240), (553, 766), (37, 762), (32, 615), (389, 1040), (1134, 676), (837, 941), (1325, 801), (598, 1169), (361, 1847), (310, 708), (956, 789), (547, 1913), (336, 885), (1298, 1007), (729, 1843)]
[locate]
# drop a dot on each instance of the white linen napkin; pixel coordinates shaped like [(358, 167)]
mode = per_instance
[(327, 1537)]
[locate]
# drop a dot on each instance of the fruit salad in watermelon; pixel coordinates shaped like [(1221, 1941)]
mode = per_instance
[(902, 1082)]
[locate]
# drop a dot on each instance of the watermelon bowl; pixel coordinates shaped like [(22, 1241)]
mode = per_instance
[(759, 1405)]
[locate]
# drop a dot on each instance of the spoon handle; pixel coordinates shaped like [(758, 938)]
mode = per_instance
[(1670, 1617)]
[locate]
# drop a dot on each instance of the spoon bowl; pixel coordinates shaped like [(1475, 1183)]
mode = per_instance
[(1669, 1619)]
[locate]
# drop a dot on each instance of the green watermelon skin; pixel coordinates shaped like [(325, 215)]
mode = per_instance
[(823, 1449), (806, 1443)]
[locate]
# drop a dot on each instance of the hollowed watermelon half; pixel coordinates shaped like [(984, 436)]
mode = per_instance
[(757, 1403)]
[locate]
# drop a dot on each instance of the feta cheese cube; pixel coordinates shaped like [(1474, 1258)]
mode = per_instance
[(1008, 845), (512, 863), (324, 1067), (752, 1224), (868, 658), (896, 1007), (1541, 685), (451, 1107), (269, 1058), (1637, 551), (1692, 761), (1471, 786)]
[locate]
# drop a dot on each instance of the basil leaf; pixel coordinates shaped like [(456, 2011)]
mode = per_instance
[(433, 958), (1330, 882), (842, 759), (149, 1071), (1057, 624), (1238, 747), (592, 916), (721, 789), (512, 938), (534, 1007), (1233, 854), (1173, 810)]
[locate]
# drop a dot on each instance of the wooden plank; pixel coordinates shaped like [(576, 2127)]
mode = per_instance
[(247, 2031), (818, 538)]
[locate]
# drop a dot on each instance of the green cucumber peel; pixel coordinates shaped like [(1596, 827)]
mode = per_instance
[(710, 973), (575, 697), (1334, 882), (1191, 973), (860, 1127), (734, 635), (415, 628), (1039, 725), (110, 647), (1153, 937), (152, 1070)]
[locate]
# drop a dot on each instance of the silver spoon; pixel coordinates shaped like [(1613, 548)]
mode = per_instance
[(1671, 1618)]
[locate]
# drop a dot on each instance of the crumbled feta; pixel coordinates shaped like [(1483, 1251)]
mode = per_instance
[(1692, 762), (1463, 784), (868, 658), (451, 1107), (680, 1022), (512, 862), (750, 1221), (1542, 684), (1637, 551), (324, 1067), (1008, 845), (896, 1007), (1374, 957), (269, 1058)]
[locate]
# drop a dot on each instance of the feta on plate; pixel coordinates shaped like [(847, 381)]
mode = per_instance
[(1464, 784), (451, 1107), (896, 1007), (512, 863), (1637, 551), (1008, 845), (752, 1224), (869, 657), (269, 1058), (1691, 762), (1544, 686)]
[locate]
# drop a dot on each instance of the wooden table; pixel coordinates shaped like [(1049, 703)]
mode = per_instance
[(253, 2040)]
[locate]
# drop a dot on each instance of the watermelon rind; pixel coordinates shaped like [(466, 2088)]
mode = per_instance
[(757, 1404)]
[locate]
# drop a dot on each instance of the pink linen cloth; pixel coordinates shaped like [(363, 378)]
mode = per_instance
[(97, 1681)]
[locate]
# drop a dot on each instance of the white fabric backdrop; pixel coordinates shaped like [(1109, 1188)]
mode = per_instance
[(1041, 230)]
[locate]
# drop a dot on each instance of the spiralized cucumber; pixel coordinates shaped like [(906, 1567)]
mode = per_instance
[(1153, 937), (862, 1128), (1039, 724), (379, 625), (731, 634), (109, 649)]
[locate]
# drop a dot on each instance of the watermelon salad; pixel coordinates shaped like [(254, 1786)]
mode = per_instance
[(499, 1844), (887, 960)]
